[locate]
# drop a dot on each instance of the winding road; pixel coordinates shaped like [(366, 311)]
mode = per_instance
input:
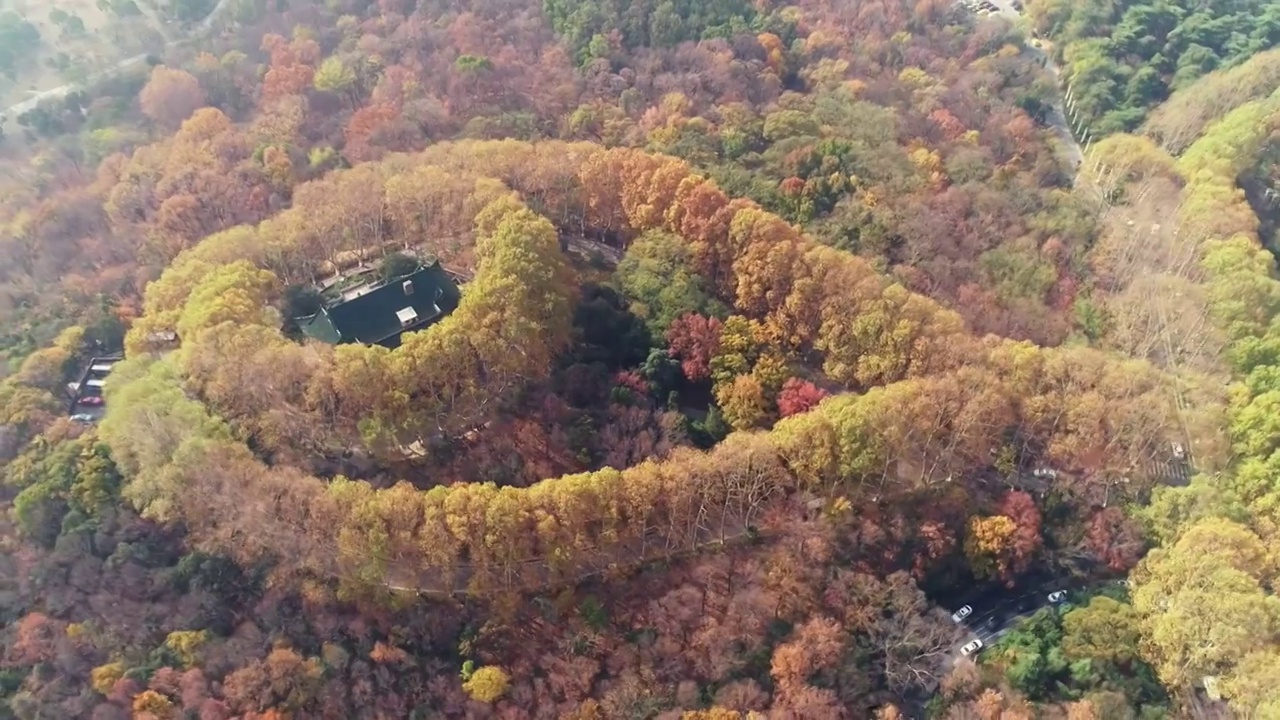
[(1056, 119), (198, 32)]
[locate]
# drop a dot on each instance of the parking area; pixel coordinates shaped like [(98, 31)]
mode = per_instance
[(980, 7), (87, 402)]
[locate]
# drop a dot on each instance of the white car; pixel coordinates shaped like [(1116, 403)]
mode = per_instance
[(962, 613), (971, 648), (1058, 596)]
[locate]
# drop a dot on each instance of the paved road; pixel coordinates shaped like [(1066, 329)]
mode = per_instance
[(197, 32), (30, 103), (996, 610), (1056, 119)]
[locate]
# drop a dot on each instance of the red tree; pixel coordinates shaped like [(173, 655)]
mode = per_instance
[(631, 380), (171, 96), (36, 639), (798, 396), (791, 187), (1114, 539), (361, 129), (1019, 507), (694, 340)]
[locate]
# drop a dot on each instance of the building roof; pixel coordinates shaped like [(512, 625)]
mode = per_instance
[(380, 314)]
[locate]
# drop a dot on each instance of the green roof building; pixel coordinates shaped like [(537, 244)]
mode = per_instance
[(378, 314)]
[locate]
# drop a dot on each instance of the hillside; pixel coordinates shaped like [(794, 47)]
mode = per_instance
[(667, 360)]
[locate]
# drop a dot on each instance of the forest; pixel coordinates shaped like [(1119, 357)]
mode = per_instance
[(784, 333)]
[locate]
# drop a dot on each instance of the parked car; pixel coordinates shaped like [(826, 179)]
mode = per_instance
[(82, 418), (1057, 596), (91, 400), (962, 613), (971, 648)]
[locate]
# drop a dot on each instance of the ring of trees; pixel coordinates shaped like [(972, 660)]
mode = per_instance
[(211, 434)]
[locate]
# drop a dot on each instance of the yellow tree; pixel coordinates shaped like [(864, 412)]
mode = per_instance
[(1202, 603), (987, 542), (743, 402), (487, 684)]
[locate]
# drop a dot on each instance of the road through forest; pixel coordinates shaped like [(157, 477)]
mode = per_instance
[(1056, 119), (197, 32)]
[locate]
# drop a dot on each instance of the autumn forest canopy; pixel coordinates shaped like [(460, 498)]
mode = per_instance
[(683, 359)]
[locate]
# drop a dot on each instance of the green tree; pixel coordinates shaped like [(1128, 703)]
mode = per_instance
[(1105, 629), (473, 63), (19, 40), (656, 275), (398, 265), (334, 76)]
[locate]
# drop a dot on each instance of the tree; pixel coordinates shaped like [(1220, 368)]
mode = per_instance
[(104, 677), (694, 340), (334, 76), (905, 639), (150, 703), (1114, 539), (284, 680), (18, 41), (986, 544), (740, 346), (743, 402), (799, 396), (1201, 602), (186, 645), (171, 96), (487, 684), (1252, 687), (1021, 508), (656, 274), (816, 646), (1177, 122), (1105, 629), (36, 639), (398, 265)]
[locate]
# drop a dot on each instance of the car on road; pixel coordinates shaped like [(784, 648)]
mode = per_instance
[(1057, 596), (971, 648), (91, 400), (82, 418), (962, 613)]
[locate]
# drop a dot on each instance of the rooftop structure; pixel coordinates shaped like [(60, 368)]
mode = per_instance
[(379, 313)]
